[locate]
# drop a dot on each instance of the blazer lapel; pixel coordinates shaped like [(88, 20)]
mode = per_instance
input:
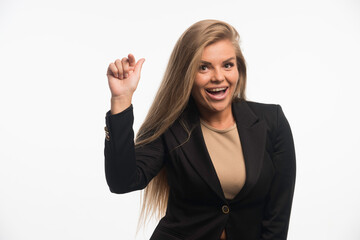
[(252, 134), (199, 158), (195, 149)]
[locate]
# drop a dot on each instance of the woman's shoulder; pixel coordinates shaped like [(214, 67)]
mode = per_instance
[(260, 106), (271, 113), (267, 112)]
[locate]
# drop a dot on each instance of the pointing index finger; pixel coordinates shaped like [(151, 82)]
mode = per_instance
[(131, 60)]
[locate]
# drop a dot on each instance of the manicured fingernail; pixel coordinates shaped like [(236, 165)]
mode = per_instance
[(126, 75)]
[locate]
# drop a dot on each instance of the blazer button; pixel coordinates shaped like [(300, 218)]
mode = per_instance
[(225, 209)]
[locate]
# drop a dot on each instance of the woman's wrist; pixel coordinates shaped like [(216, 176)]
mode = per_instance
[(119, 104)]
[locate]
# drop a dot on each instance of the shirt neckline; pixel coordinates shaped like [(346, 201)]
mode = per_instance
[(215, 129)]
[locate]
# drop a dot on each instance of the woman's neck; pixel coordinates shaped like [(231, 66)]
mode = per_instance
[(218, 120)]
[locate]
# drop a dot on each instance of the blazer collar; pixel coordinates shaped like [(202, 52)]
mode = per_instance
[(252, 133)]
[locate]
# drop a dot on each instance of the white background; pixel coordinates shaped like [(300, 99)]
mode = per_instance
[(303, 55)]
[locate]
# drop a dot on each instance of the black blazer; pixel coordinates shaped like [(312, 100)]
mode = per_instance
[(197, 207)]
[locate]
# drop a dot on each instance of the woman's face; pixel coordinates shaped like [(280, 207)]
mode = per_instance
[(216, 79)]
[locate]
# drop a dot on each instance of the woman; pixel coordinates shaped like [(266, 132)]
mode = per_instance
[(214, 165)]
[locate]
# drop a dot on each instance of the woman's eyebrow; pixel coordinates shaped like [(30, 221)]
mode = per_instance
[(205, 62), (209, 63)]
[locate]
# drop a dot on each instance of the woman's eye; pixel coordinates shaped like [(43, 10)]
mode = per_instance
[(229, 65), (203, 67)]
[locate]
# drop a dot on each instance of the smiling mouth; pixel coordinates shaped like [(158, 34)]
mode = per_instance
[(217, 91)]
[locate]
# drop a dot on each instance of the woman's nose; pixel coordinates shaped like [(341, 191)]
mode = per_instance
[(218, 75)]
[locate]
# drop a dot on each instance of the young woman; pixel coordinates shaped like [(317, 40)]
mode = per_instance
[(213, 165)]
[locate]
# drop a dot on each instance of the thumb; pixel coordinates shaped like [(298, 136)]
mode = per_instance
[(138, 66)]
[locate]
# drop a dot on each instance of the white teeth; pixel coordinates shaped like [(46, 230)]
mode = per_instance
[(216, 89)]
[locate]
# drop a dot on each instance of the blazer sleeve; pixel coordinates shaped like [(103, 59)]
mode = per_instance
[(279, 200), (126, 168)]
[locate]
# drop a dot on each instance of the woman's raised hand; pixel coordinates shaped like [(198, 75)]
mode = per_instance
[(123, 78)]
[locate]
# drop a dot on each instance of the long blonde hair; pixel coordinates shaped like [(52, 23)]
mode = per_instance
[(173, 96)]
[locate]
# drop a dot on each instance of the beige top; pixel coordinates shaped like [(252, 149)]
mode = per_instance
[(226, 154)]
